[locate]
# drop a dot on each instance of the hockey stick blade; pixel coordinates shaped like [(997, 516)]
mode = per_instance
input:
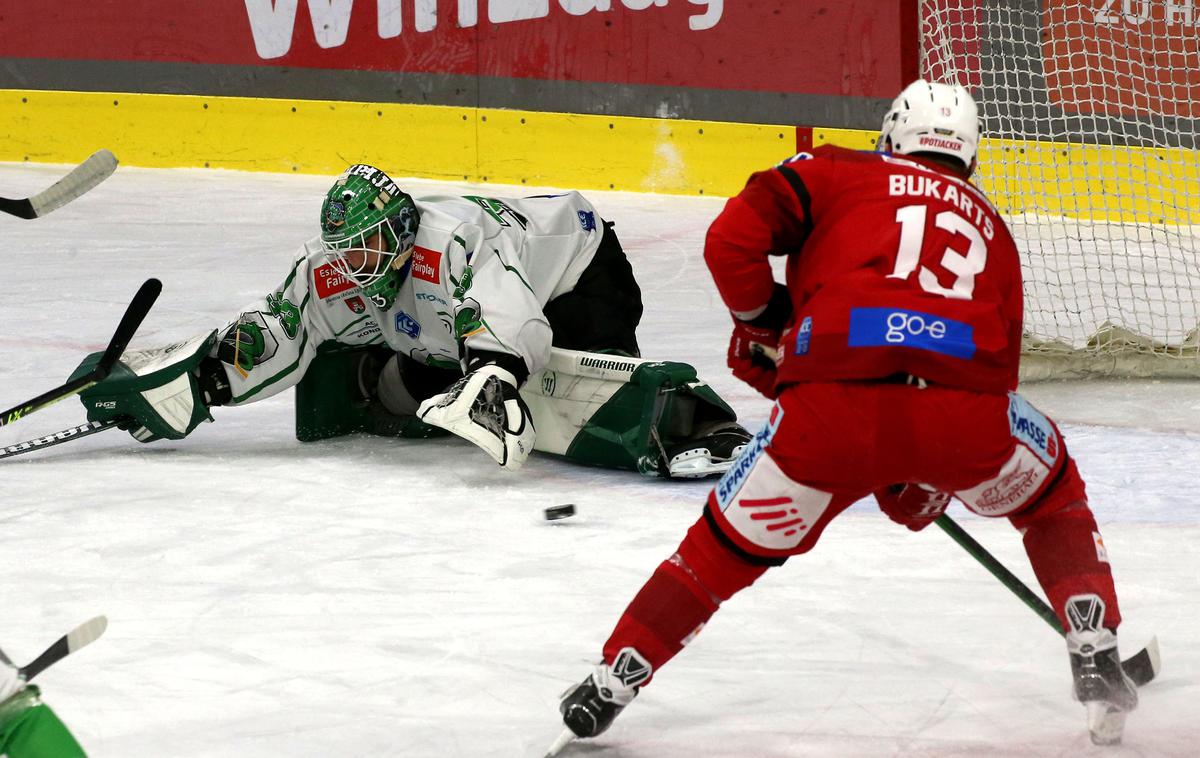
[(66, 435), (135, 313), (1144, 665), (564, 739), (81, 636), (1141, 668), (98, 167)]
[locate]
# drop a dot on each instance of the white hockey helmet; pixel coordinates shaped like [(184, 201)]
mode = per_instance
[(933, 118)]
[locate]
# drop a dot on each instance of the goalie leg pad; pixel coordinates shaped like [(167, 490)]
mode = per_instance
[(654, 417), (485, 409)]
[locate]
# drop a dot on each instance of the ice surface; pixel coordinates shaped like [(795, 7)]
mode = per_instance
[(366, 597)]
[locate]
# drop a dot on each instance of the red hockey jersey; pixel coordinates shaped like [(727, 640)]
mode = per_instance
[(894, 266)]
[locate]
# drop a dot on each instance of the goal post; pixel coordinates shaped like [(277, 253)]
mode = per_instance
[(1091, 151)]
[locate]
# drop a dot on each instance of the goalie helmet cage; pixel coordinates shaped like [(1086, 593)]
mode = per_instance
[(1090, 111)]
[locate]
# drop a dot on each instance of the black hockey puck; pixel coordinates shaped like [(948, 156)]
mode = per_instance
[(556, 512)]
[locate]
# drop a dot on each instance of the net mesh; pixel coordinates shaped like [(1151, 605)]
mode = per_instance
[(1090, 113)]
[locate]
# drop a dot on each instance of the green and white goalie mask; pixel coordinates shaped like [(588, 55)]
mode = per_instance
[(368, 228)]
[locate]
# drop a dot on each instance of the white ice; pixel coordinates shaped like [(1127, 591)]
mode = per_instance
[(370, 597)]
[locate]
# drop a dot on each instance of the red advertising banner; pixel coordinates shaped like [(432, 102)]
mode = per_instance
[(1123, 57), (848, 48)]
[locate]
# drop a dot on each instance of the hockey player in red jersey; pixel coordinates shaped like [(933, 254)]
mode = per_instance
[(896, 343)]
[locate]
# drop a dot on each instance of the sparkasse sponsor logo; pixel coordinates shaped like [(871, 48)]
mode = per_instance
[(733, 479)]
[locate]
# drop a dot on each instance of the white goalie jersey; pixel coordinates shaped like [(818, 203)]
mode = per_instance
[(480, 274)]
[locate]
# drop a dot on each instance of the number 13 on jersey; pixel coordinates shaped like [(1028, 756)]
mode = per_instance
[(912, 220)]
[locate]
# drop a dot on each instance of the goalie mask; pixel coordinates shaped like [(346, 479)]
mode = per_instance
[(933, 118), (368, 229)]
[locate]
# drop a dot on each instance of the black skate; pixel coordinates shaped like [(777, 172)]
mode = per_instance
[(1100, 683), (590, 707), (711, 449)]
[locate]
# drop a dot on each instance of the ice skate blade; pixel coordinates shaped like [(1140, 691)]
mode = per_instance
[(1105, 723), (698, 463), (564, 739)]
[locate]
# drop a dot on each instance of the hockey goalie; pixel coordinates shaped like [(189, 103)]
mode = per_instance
[(508, 322)]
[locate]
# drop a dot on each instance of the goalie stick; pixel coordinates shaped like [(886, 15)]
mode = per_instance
[(66, 435), (1141, 668), (134, 314), (79, 637), (82, 178)]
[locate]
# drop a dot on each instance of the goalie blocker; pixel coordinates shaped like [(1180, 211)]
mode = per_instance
[(653, 417)]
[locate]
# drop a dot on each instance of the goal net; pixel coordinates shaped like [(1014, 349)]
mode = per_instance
[(1090, 111)]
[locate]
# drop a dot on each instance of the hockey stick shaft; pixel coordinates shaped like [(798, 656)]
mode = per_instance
[(1142, 667), (135, 313), (998, 570), (98, 167), (82, 635), (66, 435)]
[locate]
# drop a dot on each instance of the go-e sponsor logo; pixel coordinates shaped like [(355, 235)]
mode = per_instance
[(883, 327)]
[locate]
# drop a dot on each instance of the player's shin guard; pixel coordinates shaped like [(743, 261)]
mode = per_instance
[(1065, 548), (680, 596), (665, 615), (1069, 558)]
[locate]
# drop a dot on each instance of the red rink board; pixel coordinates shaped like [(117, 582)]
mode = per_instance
[(848, 48)]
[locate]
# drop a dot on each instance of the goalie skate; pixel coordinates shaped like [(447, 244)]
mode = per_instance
[(711, 451)]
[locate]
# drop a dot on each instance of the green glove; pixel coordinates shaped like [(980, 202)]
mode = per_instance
[(159, 391)]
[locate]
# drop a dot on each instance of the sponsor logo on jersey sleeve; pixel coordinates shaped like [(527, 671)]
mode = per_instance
[(406, 324), (803, 336), (328, 282), (894, 327), (587, 220), (427, 264), (1031, 428)]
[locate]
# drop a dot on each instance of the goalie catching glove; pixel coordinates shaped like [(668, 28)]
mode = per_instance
[(158, 394), (485, 408)]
